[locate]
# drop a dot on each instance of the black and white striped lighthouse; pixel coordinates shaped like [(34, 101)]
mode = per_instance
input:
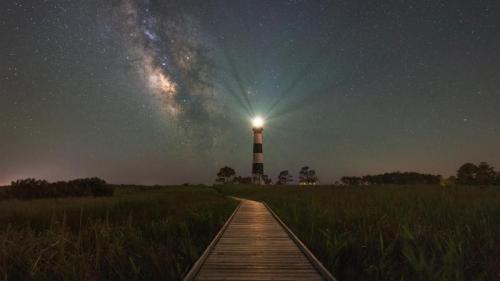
[(258, 155)]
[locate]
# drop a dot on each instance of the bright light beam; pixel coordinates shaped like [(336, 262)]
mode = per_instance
[(257, 122)]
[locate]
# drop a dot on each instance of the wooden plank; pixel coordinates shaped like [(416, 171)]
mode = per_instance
[(254, 245)]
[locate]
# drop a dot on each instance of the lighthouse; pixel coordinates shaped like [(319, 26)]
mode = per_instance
[(258, 155)]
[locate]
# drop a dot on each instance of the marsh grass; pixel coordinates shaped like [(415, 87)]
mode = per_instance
[(393, 232), (136, 235)]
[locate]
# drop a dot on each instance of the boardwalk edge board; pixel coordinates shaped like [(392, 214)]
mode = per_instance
[(201, 260), (310, 256)]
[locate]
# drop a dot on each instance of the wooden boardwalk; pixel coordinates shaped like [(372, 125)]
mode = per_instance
[(255, 245)]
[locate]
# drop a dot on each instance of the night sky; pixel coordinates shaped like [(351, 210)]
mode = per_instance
[(159, 91)]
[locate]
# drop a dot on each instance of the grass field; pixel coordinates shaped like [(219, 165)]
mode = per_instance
[(139, 234), (423, 233), (359, 233)]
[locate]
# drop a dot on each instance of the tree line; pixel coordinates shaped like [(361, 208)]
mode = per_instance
[(30, 188), (467, 174), (482, 174), (307, 176), (393, 178)]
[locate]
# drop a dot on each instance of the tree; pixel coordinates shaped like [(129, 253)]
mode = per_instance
[(33, 188), (307, 176), (225, 175), (29, 188), (467, 173), (450, 181), (303, 175), (284, 178), (242, 180), (485, 174), (393, 178), (351, 180), (267, 180), (220, 180), (313, 178)]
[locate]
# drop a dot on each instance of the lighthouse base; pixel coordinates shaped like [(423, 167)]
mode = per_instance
[(257, 179)]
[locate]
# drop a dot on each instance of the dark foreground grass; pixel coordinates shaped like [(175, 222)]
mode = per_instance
[(393, 233), (135, 235)]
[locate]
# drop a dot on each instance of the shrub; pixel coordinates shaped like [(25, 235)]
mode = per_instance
[(30, 188)]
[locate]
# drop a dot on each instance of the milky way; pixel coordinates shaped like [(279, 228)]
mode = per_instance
[(166, 50)]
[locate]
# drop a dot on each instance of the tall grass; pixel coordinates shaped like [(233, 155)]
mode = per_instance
[(393, 233), (135, 235)]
